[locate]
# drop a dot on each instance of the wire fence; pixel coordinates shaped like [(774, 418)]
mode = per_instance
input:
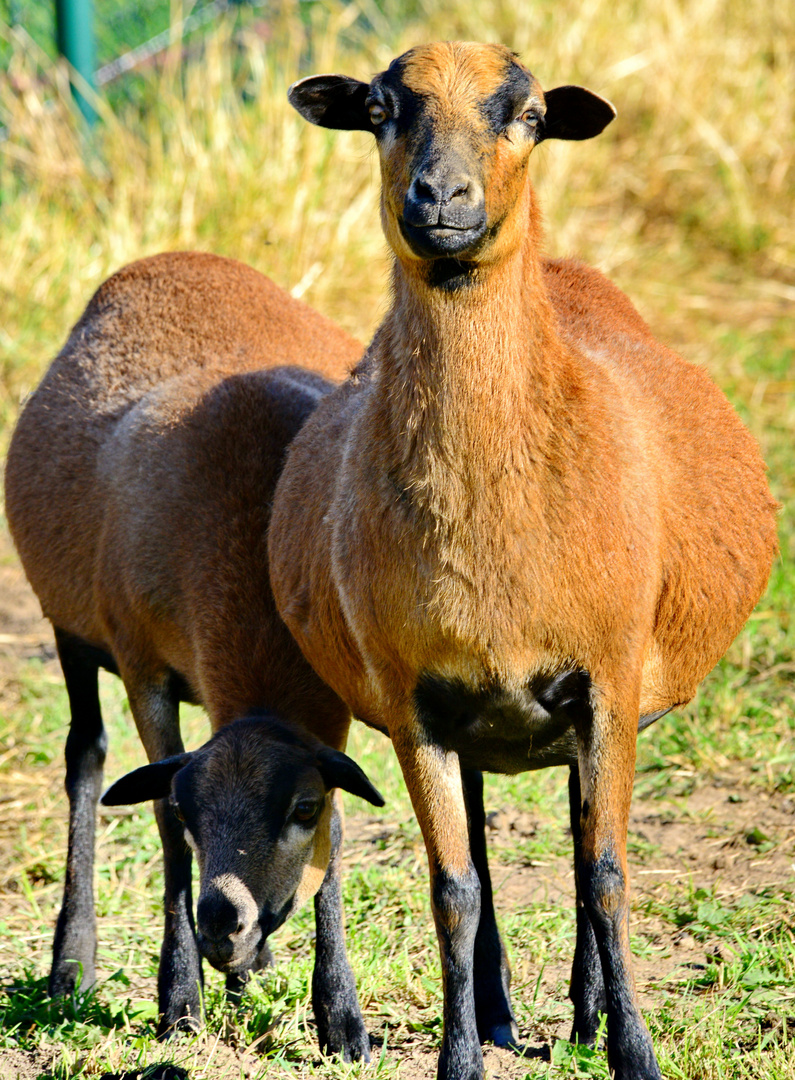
[(128, 35), (117, 28), (178, 30)]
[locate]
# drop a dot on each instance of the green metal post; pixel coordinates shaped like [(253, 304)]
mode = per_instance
[(74, 20)]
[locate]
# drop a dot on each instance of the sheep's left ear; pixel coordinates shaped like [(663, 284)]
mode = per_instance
[(149, 782), (332, 101), (575, 113), (338, 770)]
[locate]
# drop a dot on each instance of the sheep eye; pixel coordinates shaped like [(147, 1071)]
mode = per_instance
[(306, 810), (530, 118), (177, 812), (378, 114)]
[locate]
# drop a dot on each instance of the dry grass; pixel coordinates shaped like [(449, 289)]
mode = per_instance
[(694, 182)]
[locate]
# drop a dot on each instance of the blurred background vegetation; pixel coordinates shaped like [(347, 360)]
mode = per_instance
[(686, 200)]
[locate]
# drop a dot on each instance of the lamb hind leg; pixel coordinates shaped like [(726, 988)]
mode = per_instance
[(495, 1018), (75, 944), (587, 988)]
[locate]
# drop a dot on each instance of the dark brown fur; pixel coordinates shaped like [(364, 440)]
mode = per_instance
[(138, 490), (518, 483)]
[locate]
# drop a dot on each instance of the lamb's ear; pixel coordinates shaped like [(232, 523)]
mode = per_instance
[(332, 101), (149, 782), (575, 113), (338, 770)]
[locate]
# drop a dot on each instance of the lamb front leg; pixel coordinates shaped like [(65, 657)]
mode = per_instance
[(587, 987), (335, 1002), (75, 944), (155, 707)]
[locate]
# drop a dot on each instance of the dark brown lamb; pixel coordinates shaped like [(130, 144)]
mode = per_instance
[(138, 491)]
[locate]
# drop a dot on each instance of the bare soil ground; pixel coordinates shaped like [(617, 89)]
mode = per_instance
[(714, 846), (726, 835)]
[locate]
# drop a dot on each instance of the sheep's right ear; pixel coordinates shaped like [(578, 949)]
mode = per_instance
[(149, 782), (332, 101), (573, 112), (338, 770)]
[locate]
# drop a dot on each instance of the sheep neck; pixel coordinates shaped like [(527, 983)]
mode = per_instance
[(468, 384)]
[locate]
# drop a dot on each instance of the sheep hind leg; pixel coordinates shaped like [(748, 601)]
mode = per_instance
[(492, 972), (75, 944), (587, 988), (606, 753)]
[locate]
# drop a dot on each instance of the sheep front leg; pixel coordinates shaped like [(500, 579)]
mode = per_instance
[(433, 779), (492, 972), (606, 750), (75, 944), (587, 987), (335, 1002)]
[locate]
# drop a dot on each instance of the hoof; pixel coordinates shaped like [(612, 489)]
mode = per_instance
[(350, 1041), (71, 978), (185, 1023), (506, 1034)]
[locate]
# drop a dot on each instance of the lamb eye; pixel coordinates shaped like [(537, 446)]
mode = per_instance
[(177, 812), (530, 118), (378, 114), (306, 810)]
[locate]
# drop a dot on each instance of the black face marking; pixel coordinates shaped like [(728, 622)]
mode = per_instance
[(505, 104), (402, 104), (235, 804), (453, 273)]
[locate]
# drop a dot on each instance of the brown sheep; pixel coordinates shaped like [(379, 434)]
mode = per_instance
[(521, 531), (138, 491)]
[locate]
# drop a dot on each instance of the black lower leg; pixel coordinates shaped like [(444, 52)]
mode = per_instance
[(335, 1003), (154, 700), (179, 979), (74, 947), (587, 989), (630, 1053), (492, 972)]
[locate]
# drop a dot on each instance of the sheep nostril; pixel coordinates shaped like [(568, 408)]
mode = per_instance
[(240, 928)]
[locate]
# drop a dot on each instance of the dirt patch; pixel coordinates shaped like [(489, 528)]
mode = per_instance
[(726, 838), (15, 1065), (24, 632)]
